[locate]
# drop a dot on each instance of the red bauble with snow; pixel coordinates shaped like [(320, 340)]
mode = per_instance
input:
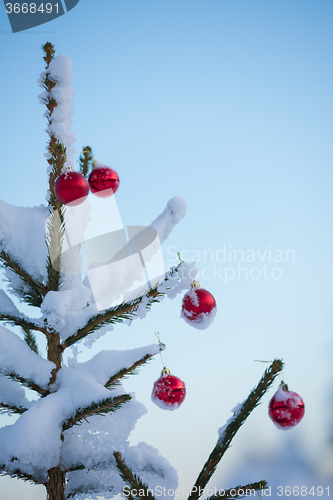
[(198, 307), (103, 181), (71, 188), (286, 408), (168, 391)]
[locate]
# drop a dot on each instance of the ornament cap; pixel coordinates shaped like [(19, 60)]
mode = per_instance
[(283, 386), (195, 284), (96, 164), (165, 371)]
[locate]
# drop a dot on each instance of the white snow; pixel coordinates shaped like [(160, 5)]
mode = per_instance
[(22, 439), (194, 299), (235, 412), (104, 482), (285, 395), (22, 236), (95, 441), (172, 214), (144, 460), (60, 71), (107, 363), (11, 393), (16, 356), (164, 405), (7, 306), (66, 305), (152, 468), (178, 280), (77, 386), (202, 321)]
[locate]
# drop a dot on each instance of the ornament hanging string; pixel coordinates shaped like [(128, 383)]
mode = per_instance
[(164, 365), (179, 257), (280, 375)]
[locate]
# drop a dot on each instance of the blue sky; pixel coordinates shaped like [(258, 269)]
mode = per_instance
[(227, 103)]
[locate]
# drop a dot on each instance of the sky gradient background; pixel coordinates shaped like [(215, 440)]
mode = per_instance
[(227, 103)]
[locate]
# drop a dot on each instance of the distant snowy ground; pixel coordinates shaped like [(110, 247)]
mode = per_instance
[(288, 470)]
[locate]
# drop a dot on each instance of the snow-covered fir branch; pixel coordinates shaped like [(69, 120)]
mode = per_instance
[(114, 379), (30, 339), (134, 482), (175, 281), (103, 407), (60, 72), (34, 477), (12, 396), (19, 362), (228, 431), (22, 283)]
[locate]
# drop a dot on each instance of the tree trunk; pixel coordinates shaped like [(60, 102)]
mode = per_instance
[(54, 354), (56, 484)]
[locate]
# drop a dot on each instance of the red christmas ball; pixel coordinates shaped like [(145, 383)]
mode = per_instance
[(198, 307), (103, 181), (168, 391), (286, 408), (71, 188)]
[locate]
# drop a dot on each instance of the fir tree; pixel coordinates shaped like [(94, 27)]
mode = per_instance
[(73, 400)]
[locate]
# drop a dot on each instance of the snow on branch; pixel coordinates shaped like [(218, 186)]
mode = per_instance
[(12, 396), (105, 368), (77, 390), (92, 443), (10, 314), (175, 281), (34, 476), (103, 407), (109, 366), (145, 462), (141, 489), (60, 72), (172, 214), (139, 468), (7, 306), (22, 244), (80, 388), (131, 370), (19, 362)]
